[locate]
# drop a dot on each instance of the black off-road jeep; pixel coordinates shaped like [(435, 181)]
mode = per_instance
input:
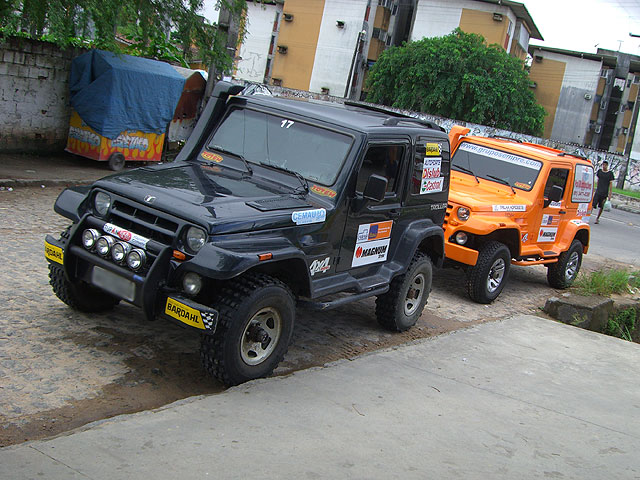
[(271, 201)]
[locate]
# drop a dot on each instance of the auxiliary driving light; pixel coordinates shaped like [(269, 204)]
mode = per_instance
[(461, 238), (192, 283), (136, 259), (104, 244), (119, 252), (89, 238)]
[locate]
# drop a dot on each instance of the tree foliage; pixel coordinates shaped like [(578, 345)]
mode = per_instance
[(162, 29), (458, 76)]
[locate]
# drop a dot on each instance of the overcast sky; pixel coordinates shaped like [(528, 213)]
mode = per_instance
[(582, 24)]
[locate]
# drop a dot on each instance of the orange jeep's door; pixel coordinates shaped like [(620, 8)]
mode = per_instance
[(553, 216)]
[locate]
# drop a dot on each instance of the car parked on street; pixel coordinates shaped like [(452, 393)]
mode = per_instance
[(516, 203), (271, 203)]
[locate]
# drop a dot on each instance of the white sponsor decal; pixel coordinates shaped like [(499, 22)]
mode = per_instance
[(126, 235), (578, 222), (509, 208), (319, 266), (309, 216), (547, 219), (431, 185), (583, 210), (370, 252), (525, 237), (498, 155), (547, 234), (555, 204), (431, 167), (582, 184)]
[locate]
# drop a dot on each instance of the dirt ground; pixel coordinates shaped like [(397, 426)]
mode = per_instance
[(61, 369)]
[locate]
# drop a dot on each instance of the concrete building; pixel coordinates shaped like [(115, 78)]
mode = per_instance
[(590, 98), (327, 46)]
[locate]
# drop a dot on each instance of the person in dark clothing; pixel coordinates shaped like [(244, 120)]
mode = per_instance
[(603, 190)]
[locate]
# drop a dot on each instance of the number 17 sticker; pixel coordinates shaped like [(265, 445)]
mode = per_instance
[(286, 123)]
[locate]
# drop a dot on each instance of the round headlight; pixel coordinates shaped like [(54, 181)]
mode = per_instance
[(102, 202), (104, 244), (89, 238), (463, 213), (119, 252), (461, 238), (196, 238), (192, 283), (136, 259)]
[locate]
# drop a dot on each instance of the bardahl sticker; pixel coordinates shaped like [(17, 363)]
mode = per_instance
[(509, 208), (214, 157), (433, 149), (53, 253), (305, 217), (123, 234), (184, 313), (547, 234), (325, 192)]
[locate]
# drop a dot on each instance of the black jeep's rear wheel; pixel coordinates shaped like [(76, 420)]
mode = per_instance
[(564, 272), (79, 296), (255, 325), (486, 279), (399, 308)]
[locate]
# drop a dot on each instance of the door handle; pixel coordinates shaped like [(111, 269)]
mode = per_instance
[(562, 212), (394, 213)]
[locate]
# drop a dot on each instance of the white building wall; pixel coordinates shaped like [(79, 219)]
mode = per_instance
[(436, 18), (210, 10), (255, 48), (335, 48), (574, 110)]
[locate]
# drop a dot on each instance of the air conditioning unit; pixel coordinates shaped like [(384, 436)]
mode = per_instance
[(282, 49), (497, 17), (288, 17), (598, 129), (588, 96), (625, 131)]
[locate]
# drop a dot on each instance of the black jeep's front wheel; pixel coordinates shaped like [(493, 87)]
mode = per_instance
[(399, 308), (255, 325), (79, 296), (564, 272), (486, 279)]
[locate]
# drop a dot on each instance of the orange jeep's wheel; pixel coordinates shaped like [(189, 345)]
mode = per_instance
[(563, 273), (486, 279)]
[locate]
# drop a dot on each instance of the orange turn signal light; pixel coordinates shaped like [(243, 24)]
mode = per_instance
[(265, 256), (178, 255)]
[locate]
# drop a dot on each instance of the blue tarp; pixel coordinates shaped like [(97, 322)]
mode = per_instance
[(113, 93)]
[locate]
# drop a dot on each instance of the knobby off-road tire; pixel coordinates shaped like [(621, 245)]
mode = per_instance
[(79, 296), (256, 317), (563, 273), (399, 308), (486, 279)]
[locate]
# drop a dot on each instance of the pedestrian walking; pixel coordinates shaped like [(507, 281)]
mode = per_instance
[(603, 190)]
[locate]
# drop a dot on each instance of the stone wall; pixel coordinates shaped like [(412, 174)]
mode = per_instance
[(34, 95)]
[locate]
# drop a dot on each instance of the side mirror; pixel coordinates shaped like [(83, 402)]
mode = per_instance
[(376, 188), (555, 195)]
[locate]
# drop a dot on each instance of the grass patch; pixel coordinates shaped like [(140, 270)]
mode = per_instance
[(628, 193), (622, 324), (607, 282)]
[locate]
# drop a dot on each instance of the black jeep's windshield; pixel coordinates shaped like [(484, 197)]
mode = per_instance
[(488, 163), (263, 138)]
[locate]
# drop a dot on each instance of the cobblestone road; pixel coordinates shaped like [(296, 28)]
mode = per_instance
[(60, 369)]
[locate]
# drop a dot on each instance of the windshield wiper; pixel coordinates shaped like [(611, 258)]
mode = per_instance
[(303, 181), (466, 170), (224, 150), (502, 181)]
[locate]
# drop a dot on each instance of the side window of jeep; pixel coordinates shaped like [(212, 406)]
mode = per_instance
[(557, 176), (383, 160)]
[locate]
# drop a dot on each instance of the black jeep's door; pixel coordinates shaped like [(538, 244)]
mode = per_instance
[(370, 225)]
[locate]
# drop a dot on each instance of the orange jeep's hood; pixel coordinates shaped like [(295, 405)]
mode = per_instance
[(486, 195)]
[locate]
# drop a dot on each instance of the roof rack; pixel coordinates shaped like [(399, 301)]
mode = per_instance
[(396, 117), (574, 154), (504, 137)]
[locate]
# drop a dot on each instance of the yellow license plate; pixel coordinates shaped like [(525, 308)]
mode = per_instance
[(53, 253), (184, 313)]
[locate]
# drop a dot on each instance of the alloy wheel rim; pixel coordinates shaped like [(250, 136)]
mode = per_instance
[(414, 295), (496, 274), (572, 266), (260, 336)]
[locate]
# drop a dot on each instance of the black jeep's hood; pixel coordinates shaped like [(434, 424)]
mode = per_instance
[(209, 195)]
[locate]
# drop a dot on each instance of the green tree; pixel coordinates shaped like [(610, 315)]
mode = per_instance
[(458, 76), (162, 29)]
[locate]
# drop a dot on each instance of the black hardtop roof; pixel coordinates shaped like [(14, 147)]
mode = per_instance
[(363, 118)]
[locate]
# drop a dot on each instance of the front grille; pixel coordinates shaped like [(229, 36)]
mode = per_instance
[(447, 214), (145, 223)]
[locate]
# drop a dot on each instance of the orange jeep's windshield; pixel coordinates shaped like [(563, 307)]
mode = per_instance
[(496, 165)]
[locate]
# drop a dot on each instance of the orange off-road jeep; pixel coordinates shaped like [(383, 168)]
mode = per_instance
[(515, 203)]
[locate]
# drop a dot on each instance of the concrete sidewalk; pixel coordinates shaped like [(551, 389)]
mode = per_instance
[(521, 398)]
